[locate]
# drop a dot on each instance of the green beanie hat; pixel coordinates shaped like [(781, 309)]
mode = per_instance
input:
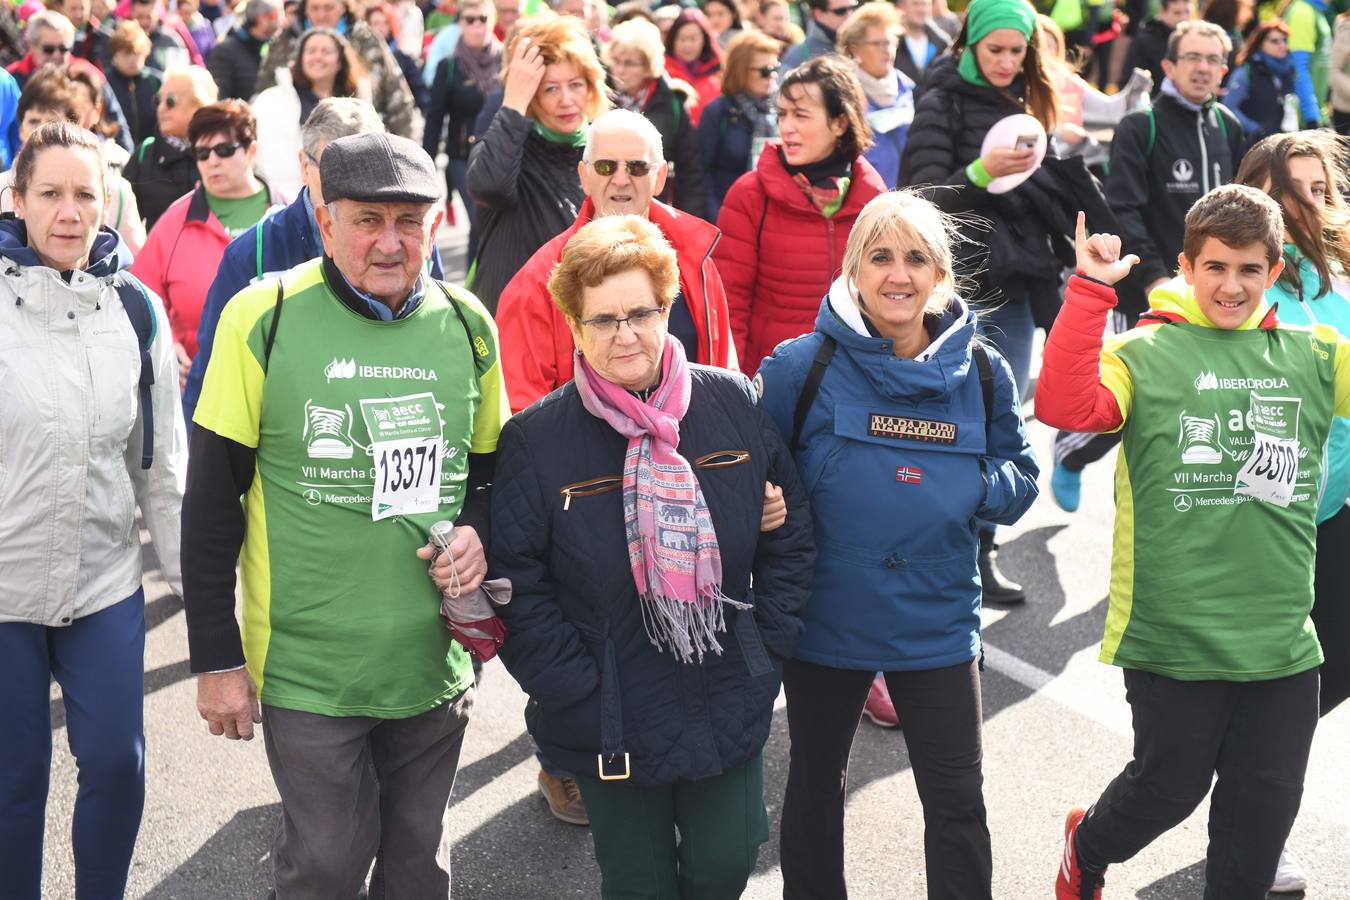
[(984, 16)]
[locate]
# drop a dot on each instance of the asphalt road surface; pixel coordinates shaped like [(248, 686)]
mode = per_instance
[(1056, 730)]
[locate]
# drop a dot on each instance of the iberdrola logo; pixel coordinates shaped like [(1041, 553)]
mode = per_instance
[(340, 368), (1207, 381)]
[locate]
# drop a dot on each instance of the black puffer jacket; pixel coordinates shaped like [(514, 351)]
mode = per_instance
[(159, 174), (576, 640), (528, 191), (1012, 239), (668, 110)]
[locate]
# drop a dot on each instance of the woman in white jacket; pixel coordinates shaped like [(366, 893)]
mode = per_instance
[(76, 459), (324, 66)]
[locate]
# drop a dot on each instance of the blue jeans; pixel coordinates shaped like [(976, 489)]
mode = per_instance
[(1008, 325), (99, 661)]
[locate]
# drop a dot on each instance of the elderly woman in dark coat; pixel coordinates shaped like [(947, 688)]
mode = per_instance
[(651, 666)]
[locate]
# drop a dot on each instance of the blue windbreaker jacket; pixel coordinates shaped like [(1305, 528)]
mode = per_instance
[(894, 458)]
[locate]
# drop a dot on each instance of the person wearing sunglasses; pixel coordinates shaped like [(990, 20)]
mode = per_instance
[(184, 249), (736, 126), (822, 35), (51, 39), (637, 70), (325, 65), (651, 667), (163, 168), (460, 83)]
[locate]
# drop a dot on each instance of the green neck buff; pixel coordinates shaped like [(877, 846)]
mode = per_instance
[(985, 16), (567, 138)]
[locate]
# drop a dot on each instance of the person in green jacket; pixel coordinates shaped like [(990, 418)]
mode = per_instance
[(1224, 412), (1303, 172)]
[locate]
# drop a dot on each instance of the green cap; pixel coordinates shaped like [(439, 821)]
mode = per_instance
[(984, 16)]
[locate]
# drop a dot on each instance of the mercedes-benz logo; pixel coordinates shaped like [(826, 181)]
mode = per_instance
[(1182, 503), (312, 497)]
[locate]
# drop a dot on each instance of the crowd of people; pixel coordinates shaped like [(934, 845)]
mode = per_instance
[(743, 279)]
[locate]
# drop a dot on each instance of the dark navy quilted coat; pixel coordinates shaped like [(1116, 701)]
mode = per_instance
[(576, 641)]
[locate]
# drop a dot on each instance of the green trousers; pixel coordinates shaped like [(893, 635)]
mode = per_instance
[(721, 822)]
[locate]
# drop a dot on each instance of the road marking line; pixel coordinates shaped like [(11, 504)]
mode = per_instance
[(1113, 716)]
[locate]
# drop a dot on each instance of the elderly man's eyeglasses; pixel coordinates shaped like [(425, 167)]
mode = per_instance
[(54, 49), (224, 151), (1195, 59), (642, 321), (634, 167)]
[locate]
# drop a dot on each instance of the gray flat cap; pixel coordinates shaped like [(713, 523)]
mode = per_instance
[(378, 168)]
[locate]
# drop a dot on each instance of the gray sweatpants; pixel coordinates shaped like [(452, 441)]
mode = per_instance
[(350, 786)]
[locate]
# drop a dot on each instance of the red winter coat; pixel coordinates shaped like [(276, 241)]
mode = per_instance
[(778, 254), (536, 344), (179, 261)]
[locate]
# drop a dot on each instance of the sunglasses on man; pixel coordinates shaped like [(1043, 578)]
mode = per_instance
[(224, 151), (634, 167), (473, 20), (54, 49)]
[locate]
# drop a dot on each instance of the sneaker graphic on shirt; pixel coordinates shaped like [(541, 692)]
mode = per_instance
[(328, 431), (1199, 440)]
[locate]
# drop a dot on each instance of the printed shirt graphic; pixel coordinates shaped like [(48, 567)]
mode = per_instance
[(340, 617), (1211, 571)]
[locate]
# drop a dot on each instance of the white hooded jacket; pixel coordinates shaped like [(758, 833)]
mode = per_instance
[(71, 434)]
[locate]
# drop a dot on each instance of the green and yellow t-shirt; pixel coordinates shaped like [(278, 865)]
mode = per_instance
[(1216, 491), (362, 430)]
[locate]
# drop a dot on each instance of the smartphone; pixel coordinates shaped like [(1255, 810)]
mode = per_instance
[(1027, 142)]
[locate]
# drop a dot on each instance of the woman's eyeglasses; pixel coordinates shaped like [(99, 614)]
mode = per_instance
[(642, 321), (473, 20), (765, 71), (607, 167), (224, 151)]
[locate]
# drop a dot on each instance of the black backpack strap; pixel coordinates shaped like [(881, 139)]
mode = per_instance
[(810, 388), (479, 359), (272, 331), (986, 370), (136, 302)]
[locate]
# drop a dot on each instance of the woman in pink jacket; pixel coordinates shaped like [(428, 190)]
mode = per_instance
[(185, 247)]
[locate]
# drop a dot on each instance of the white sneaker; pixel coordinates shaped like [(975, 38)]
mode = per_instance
[(1290, 877)]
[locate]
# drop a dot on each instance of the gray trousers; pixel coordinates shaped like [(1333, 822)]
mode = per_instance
[(350, 786)]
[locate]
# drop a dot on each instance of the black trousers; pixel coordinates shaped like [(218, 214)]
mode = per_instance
[(1331, 608), (940, 712), (1255, 735)]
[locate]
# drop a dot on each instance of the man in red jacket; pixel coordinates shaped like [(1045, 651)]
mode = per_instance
[(622, 170)]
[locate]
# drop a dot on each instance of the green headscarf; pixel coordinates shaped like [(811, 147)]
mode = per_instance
[(984, 16)]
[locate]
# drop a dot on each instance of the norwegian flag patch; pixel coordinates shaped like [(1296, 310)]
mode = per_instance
[(909, 475)]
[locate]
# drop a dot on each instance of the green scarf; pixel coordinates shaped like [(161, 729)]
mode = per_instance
[(569, 138), (984, 16)]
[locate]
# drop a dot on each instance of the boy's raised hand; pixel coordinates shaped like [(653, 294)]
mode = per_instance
[(1099, 255)]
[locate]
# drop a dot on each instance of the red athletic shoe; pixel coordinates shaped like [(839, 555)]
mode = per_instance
[(1075, 883), (879, 708)]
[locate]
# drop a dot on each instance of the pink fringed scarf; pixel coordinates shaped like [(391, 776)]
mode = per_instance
[(671, 543)]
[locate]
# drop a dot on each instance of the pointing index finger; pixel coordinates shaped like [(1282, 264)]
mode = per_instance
[(1080, 231)]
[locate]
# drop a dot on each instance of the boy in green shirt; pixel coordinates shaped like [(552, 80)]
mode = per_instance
[(1224, 414)]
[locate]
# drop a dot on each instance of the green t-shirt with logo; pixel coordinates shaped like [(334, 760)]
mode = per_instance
[(1216, 494), (238, 215), (362, 430)]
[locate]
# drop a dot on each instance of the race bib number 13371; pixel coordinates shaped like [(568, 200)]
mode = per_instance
[(405, 437)]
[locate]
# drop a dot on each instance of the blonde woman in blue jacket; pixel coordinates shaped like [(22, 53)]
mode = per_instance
[(906, 433), (1303, 172)]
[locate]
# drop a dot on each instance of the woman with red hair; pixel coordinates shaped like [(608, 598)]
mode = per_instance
[(692, 55)]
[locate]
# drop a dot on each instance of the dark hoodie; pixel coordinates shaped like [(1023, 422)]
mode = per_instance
[(1147, 51)]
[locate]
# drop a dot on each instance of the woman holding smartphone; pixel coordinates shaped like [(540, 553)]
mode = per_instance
[(995, 70)]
